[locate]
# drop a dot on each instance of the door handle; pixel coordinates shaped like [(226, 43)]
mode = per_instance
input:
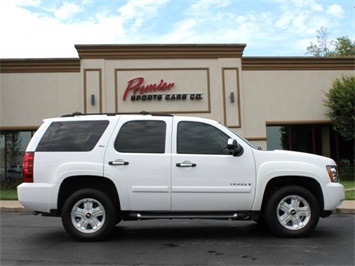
[(118, 162), (186, 164)]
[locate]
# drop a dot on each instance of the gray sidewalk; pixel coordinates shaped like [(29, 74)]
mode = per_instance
[(347, 207)]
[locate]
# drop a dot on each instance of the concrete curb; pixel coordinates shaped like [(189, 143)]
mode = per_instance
[(12, 206), (347, 207), (14, 210), (344, 211)]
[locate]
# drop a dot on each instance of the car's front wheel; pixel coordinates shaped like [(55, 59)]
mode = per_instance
[(89, 215), (292, 211)]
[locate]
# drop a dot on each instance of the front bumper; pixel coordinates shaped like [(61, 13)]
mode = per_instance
[(333, 196)]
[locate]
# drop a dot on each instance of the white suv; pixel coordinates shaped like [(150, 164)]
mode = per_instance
[(96, 170)]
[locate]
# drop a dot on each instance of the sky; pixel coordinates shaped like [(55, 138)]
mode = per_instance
[(51, 28)]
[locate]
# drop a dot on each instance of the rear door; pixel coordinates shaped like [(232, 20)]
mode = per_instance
[(138, 160)]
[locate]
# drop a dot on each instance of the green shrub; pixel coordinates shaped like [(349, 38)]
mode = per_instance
[(7, 185), (8, 189), (346, 173)]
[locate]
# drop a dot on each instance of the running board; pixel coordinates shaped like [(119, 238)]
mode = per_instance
[(210, 216)]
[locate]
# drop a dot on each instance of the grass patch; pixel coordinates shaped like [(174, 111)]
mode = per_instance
[(349, 195), (8, 194), (347, 173), (348, 184), (347, 179), (8, 190)]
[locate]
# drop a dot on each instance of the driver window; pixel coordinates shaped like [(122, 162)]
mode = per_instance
[(200, 138)]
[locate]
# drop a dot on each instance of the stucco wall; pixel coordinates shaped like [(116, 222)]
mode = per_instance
[(213, 79), (244, 93), (284, 97), (27, 98)]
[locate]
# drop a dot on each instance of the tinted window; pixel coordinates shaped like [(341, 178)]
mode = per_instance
[(142, 137), (200, 138), (72, 136)]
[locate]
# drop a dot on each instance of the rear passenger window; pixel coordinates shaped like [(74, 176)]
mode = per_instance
[(72, 136), (141, 137)]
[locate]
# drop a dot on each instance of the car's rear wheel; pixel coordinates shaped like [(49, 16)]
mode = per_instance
[(89, 215), (292, 211)]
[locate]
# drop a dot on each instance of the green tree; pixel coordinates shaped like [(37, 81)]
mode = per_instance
[(340, 103), (13, 144), (322, 45), (341, 46), (344, 47), (13, 147)]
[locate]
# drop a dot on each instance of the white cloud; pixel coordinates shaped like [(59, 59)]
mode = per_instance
[(27, 2), (67, 10), (297, 16), (182, 31), (135, 12), (311, 5), (41, 29), (203, 7), (44, 36), (335, 11)]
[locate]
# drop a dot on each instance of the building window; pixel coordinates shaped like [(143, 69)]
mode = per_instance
[(303, 138), (12, 148), (316, 139)]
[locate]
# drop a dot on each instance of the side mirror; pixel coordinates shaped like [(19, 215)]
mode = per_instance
[(234, 147)]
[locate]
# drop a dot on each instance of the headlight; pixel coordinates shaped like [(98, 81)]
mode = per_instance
[(333, 173)]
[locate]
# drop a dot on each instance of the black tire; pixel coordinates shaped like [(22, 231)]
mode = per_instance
[(259, 220), (89, 215), (292, 211)]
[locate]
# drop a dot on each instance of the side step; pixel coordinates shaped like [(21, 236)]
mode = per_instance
[(177, 215)]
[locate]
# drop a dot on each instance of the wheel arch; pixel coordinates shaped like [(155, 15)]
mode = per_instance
[(307, 182), (75, 183)]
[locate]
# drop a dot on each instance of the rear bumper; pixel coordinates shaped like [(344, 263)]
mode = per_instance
[(37, 196)]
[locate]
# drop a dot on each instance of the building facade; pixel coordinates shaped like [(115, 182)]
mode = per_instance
[(275, 102)]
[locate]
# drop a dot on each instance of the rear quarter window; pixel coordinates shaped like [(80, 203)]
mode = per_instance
[(72, 136)]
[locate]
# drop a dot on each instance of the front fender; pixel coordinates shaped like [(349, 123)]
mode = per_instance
[(270, 170)]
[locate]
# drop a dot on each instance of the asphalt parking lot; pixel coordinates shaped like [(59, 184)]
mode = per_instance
[(35, 240)]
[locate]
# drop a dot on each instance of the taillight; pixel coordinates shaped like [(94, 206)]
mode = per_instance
[(28, 160)]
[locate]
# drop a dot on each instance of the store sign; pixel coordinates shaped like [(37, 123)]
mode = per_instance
[(137, 90), (162, 90)]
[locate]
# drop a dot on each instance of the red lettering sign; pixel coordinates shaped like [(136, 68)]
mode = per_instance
[(136, 86)]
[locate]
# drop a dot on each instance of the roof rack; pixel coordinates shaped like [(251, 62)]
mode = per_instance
[(113, 114)]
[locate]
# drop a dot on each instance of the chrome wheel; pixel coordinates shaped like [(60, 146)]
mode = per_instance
[(293, 212), (88, 215)]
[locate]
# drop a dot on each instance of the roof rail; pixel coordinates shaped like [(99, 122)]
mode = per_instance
[(113, 114)]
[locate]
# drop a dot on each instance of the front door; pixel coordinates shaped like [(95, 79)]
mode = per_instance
[(205, 177)]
